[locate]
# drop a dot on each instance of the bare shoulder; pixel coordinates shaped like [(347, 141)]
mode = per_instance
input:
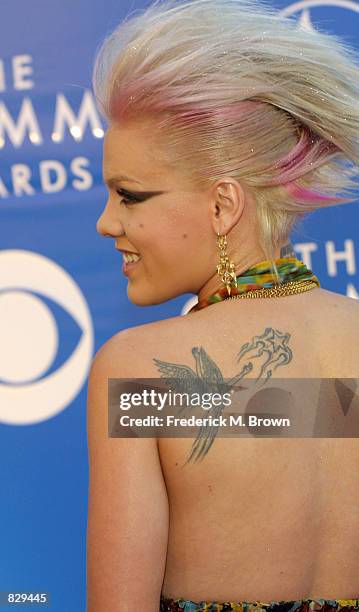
[(130, 352), (338, 300), (338, 324), (340, 310), (327, 321)]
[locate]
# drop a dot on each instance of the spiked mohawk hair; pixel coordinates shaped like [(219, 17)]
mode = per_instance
[(238, 90)]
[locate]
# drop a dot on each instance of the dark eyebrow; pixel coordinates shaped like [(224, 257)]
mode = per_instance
[(114, 180), (141, 196)]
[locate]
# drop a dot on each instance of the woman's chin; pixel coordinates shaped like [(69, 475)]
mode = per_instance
[(150, 298), (142, 299)]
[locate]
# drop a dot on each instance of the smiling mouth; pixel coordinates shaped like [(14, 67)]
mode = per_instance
[(129, 258)]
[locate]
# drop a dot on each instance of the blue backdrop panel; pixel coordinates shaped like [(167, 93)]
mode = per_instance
[(62, 293)]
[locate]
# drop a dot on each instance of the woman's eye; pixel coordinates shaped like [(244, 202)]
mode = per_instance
[(126, 197)]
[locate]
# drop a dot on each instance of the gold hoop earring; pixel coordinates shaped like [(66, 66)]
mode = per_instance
[(225, 268)]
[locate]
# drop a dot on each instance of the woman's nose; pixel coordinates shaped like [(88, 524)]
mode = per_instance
[(109, 225)]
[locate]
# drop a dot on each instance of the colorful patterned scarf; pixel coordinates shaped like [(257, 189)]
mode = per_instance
[(261, 275)]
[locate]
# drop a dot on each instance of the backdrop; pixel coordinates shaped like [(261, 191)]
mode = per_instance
[(62, 293)]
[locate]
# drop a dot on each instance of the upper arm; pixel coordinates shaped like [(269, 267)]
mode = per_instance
[(128, 507)]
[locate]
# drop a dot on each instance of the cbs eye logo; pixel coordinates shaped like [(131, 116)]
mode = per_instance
[(31, 388), (302, 7)]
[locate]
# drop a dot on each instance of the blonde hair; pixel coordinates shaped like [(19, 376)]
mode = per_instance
[(238, 90)]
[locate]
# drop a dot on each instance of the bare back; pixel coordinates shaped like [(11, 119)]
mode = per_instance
[(263, 518)]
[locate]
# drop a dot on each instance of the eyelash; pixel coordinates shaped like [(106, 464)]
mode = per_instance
[(126, 196)]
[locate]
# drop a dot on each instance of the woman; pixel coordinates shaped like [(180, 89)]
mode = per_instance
[(227, 124)]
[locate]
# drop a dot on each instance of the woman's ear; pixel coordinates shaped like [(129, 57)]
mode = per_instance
[(227, 205)]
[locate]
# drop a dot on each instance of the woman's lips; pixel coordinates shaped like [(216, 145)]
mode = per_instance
[(127, 267)]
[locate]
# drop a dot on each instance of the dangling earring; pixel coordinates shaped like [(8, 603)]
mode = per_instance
[(225, 268)]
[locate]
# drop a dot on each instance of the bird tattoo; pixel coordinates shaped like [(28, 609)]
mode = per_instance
[(271, 346)]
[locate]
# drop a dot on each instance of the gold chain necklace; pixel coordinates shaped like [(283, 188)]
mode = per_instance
[(292, 287)]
